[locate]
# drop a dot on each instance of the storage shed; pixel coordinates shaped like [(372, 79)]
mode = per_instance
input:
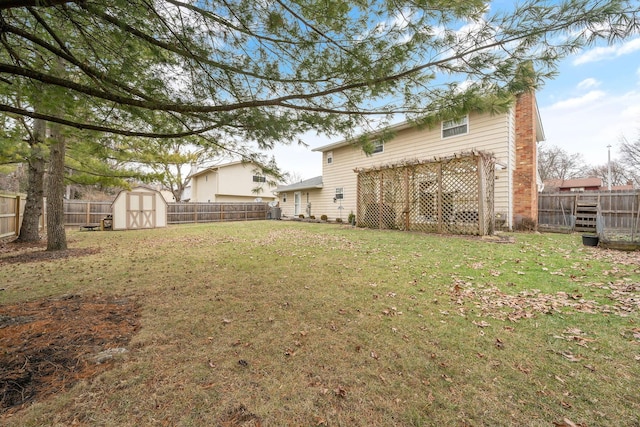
[(139, 208)]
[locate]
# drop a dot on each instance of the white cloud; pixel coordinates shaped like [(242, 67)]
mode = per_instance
[(608, 52), (582, 101), (578, 126), (588, 84)]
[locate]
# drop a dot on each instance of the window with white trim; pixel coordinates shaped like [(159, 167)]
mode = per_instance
[(378, 147), (259, 178), (339, 193), (459, 126)]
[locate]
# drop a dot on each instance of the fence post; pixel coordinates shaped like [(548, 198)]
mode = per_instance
[(17, 216), (482, 190), (439, 198), (407, 207)]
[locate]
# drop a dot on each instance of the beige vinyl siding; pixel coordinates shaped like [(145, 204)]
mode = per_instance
[(229, 183), (486, 133), (312, 196), (238, 180), (205, 187)]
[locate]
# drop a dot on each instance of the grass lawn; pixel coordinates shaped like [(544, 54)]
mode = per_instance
[(275, 323)]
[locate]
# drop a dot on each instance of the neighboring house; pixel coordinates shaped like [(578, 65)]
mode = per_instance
[(231, 182), (575, 184), (581, 184), (511, 137)]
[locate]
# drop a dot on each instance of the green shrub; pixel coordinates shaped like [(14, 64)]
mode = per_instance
[(338, 219), (301, 216), (323, 217), (352, 218)]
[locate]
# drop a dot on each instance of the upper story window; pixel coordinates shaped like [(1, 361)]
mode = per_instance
[(339, 193), (378, 147), (459, 126), (259, 178), (330, 157)]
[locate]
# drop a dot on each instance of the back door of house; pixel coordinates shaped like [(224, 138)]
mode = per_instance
[(297, 196), (141, 210)]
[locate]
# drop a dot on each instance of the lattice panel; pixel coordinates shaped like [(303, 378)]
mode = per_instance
[(452, 195)]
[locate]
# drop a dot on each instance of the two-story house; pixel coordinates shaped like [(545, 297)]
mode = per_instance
[(231, 182), (511, 138)]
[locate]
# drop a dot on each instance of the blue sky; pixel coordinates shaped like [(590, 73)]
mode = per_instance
[(592, 103)]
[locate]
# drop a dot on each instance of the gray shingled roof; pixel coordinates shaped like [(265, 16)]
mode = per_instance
[(315, 182)]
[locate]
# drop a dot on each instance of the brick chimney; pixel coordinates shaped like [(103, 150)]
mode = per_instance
[(525, 185)]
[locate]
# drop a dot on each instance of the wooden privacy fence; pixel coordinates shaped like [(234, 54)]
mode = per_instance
[(79, 213), (450, 195), (605, 212), (184, 213), (11, 207)]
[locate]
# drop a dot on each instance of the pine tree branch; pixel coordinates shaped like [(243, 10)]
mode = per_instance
[(107, 129), (12, 4)]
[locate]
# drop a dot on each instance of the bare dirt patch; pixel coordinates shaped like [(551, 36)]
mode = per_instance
[(49, 345), (33, 252)]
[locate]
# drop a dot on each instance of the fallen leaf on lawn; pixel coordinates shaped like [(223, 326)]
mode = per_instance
[(321, 421), (374, 355), (481, 324), (340, 392), (226, 321), (499, 343), (571, 357), (565, 423)]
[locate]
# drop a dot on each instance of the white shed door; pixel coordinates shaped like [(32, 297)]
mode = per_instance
[(141, 210)]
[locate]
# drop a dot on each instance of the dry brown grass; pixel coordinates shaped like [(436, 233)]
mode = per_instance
[(277, 324)]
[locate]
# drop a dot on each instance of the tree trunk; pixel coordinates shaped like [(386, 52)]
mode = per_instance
[(30, 229), (56, 237)]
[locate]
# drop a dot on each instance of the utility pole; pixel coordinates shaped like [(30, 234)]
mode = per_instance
[(609, 167)]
